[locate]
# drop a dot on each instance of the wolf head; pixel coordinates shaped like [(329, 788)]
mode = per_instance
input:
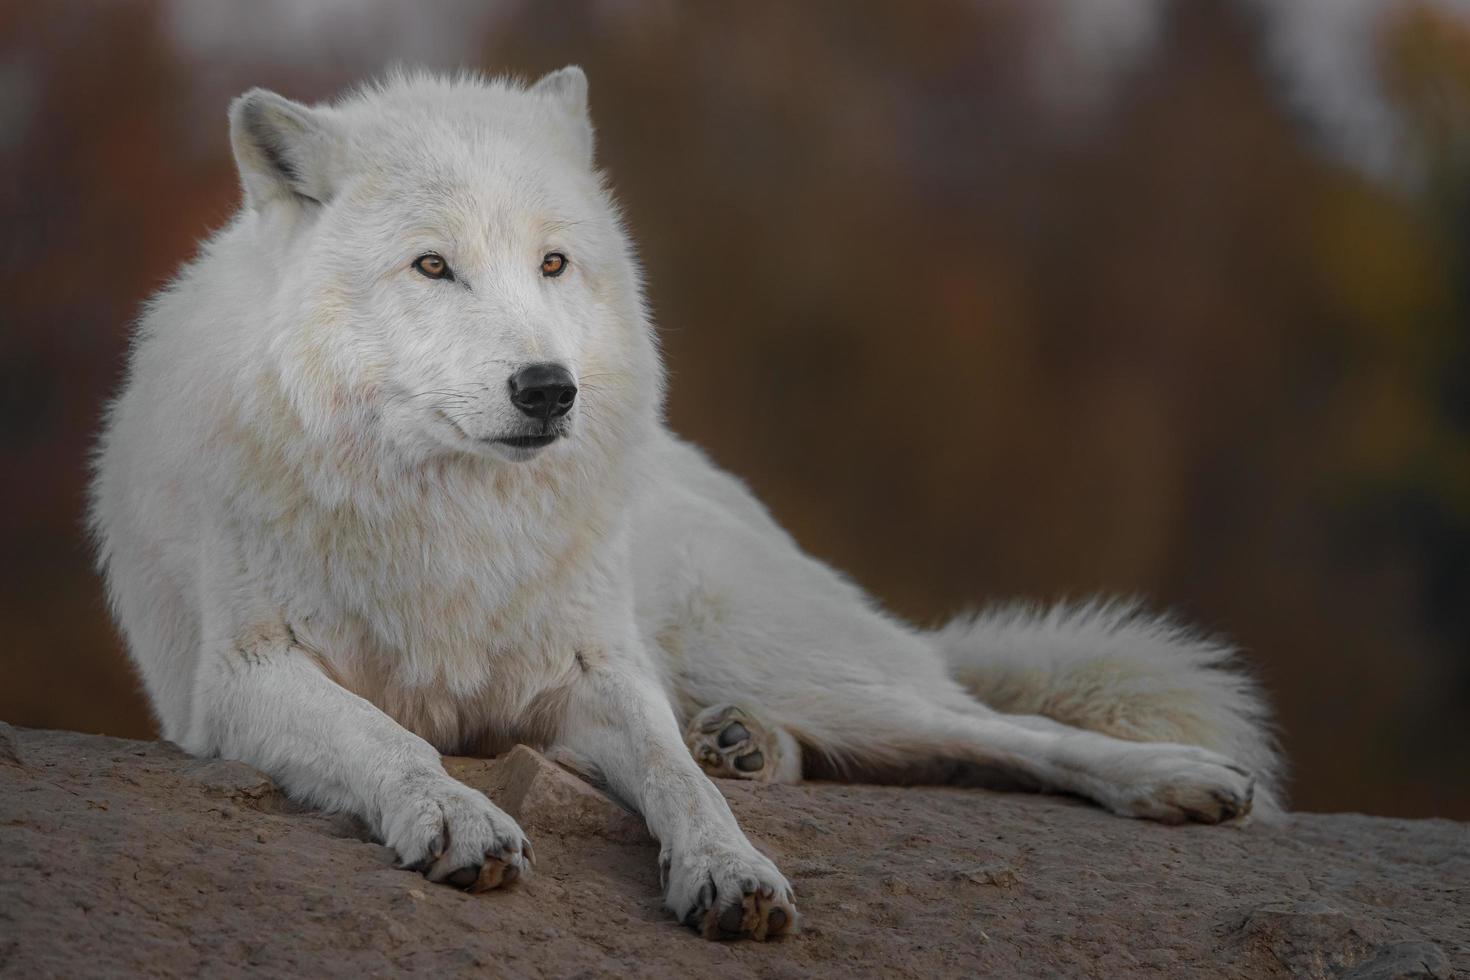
[(446, 273)]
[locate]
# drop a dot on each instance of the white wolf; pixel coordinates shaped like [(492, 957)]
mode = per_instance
[(388, 478)]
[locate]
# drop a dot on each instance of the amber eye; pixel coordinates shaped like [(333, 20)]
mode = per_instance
[(553, 265), (433, 265)]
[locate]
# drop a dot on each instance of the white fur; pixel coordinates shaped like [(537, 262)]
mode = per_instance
[(325, 566)]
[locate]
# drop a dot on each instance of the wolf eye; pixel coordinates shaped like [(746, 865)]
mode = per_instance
[(553, 264), (433, 265)]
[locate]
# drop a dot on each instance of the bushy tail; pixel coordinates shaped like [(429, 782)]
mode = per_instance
[(1113, 668)]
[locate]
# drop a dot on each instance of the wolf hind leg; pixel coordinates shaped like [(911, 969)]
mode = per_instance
[(897, 735), (732, 742), (1164, 781)]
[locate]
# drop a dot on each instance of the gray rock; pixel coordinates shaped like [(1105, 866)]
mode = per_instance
[(1310, 939), (1403, 961), (9, 753), (122, 857)]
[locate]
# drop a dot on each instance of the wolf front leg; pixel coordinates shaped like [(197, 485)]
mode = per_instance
[(619, 722), (264, 700)]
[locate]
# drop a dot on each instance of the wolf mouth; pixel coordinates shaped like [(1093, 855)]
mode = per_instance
[(529, 442)]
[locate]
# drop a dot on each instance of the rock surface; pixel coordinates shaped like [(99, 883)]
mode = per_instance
[(120, 856)]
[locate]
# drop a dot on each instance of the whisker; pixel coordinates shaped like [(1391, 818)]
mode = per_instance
[(438, 392)]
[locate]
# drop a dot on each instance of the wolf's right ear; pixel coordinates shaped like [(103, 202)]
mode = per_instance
[(566, 89), (283, 149)]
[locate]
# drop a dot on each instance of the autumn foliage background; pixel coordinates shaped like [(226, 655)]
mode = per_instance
[(1186, 310)]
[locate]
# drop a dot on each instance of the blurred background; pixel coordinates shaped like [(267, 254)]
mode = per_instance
[(1192, 280)]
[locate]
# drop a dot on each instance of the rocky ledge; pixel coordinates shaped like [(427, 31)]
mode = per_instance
[(132, 857)]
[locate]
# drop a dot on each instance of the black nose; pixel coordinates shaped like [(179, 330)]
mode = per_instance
[(543, 391)]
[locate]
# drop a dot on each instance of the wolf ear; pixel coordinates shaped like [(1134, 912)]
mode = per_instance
[(283, 149), (566, 90)]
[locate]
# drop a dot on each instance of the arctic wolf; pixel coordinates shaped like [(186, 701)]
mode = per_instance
[(388, 478)]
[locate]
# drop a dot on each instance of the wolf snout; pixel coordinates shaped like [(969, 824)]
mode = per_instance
[(543, 391)]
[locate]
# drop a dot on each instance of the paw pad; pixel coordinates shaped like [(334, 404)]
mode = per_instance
[(727, 743)]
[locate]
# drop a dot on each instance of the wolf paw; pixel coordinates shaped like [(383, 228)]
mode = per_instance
[(728, 892), (1181, 783), (453, 834), (728, 743)]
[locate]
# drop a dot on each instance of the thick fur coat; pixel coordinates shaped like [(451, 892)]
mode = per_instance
[(347, 523)]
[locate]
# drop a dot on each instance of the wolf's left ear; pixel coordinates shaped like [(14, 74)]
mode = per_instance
[(283, 149), (566, 90)]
